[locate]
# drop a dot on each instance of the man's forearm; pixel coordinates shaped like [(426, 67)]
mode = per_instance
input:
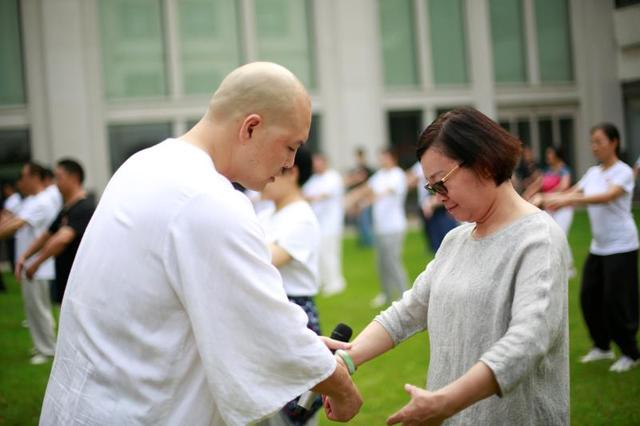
[(9, 228), (36, 245)]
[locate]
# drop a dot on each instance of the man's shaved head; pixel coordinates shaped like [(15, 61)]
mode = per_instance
[(263, 88)]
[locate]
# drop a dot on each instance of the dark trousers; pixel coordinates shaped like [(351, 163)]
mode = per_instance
[(609, 300)]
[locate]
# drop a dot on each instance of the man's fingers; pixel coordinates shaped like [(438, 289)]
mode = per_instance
[(335, 344)]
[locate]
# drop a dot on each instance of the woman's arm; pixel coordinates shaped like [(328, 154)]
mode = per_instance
[(573, 198), (374, 340), (279, 256)]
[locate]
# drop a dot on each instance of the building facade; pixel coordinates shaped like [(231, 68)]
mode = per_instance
[(100, 79)]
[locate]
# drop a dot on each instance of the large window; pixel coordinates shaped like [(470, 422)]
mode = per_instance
[(132, 48), (14, 152), (507, 36), (209, 41), (187, 47), (11, 83), (127, 139), (282, 30), (554, 41), (404, 130), (398, 43), (542, 54), (448, 45)]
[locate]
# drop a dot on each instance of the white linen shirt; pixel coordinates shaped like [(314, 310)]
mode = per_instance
[(330, 209), (173, 313), (390, 189), (295, 229), (612, 226)]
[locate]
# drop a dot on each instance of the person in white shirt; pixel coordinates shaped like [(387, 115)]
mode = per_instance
[(609, 294), (173, 313), (52, 190), (34, 216), (387, 191), (293, 235), (325, 192)]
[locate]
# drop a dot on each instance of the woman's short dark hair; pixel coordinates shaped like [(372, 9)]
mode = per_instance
[(611, 132), (304, 163), (476, 141)]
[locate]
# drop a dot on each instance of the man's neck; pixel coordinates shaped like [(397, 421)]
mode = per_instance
[(74, 196)]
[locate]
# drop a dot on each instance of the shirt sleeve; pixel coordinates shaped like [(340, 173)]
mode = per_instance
[(623, 177), (299, 240), (255, 347), (408, 316), (537, 313)]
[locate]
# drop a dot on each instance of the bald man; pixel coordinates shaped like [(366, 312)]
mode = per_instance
[(173, 313)]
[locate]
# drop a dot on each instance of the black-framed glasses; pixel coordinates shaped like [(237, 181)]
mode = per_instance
[(438, 187)]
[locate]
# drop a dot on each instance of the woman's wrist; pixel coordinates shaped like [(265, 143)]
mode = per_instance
[(347, 360)]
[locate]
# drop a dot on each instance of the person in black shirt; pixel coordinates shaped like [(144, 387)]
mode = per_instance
[(63, 236)]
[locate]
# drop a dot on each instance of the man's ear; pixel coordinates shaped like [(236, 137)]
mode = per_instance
[(248, 127)]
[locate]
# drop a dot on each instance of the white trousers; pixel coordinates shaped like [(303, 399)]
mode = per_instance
[(331, 278), (37, 305), (393, 277)]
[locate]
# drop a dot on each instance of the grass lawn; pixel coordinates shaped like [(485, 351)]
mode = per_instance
[(598, 397)]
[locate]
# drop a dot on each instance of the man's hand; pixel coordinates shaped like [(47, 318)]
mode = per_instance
[(334, 345), (343, 407), (19, 268), (31, 270), (424, 408)]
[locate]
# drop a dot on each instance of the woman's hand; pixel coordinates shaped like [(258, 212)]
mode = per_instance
[(554, 202), (424, 408)]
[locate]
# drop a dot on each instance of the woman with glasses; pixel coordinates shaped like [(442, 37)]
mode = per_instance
[(494, 299), (609, 293)]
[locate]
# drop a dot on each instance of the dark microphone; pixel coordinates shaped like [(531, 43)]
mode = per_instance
[(343, 333)]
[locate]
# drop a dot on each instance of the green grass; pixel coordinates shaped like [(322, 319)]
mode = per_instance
[(597, 396)]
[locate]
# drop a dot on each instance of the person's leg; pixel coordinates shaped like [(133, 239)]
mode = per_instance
[(426, 230), (621, 295), (398, 282), (384, 264), (332, 251), (37, 303), (363, 220), (592, 302)]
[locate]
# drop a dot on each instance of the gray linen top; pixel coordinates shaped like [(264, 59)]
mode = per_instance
[(502, 300)]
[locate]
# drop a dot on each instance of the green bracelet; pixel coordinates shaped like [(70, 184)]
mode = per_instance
[(351, 366)]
